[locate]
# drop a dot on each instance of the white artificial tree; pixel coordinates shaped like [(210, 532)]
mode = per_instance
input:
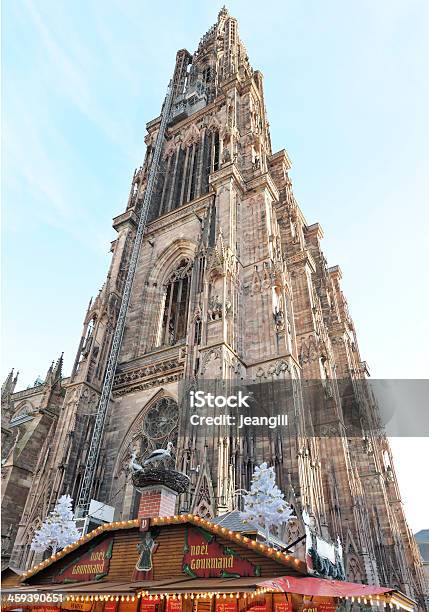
[(58, 529), (264, 504)]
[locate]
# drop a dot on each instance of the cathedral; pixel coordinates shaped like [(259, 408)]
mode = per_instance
[(231, 284)]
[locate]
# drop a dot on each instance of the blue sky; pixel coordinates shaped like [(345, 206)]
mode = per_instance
[(347, 96)]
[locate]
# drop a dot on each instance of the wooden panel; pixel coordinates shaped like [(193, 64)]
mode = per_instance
[(124, 554)]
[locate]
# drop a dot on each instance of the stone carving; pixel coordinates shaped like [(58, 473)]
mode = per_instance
[(272, 369), (308, 351), (329, 430), (292, 530), (182, 271), (279, 320), (197, 314), (226, 156), (222, 261), (256, 282), (256, 164), (141, 373), (300, 257), (328, 388), (214, 309), (228, 306), (275, 369), (213, 124), (155, 382), (367, 445), (192, 136), (171, 146), (211, 354)]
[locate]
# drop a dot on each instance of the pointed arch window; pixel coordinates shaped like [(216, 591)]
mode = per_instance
[(175, 314), (87, 340)]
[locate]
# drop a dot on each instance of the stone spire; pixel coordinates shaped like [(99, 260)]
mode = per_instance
[(220, 55), (8, 386), (54, 373), (57, 372), (49, 373)]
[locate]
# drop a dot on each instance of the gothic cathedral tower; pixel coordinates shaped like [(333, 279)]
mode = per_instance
[(231, 283)]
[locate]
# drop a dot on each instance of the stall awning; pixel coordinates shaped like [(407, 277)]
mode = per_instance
[(319, 587), (322, 588)]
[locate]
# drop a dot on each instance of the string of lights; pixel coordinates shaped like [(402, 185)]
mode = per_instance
[(383, 601)]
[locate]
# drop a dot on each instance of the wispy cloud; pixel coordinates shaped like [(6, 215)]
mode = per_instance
[(73, 62), (42, 164), (38, 180)]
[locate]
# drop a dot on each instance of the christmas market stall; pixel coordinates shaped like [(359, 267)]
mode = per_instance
[(183, 563)]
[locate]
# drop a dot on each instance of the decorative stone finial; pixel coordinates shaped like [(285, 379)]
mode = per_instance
[(223, 12)]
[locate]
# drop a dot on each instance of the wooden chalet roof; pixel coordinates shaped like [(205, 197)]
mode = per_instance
[(126, 536)]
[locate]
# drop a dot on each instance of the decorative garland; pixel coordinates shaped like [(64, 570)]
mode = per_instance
[(325, 567)]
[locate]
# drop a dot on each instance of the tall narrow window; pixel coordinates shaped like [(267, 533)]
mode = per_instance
[(207, 74), (165, 195), (178, 178), (212, 230), (193, 190), (155, 206), (216, 151), (175, 315), (197, 331), (186, 175), (87, 341), (201, 267), (207, 162)]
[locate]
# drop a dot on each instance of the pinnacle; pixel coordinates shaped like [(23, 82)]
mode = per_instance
[(223, 13), (10, 382), (51, 367), (59, 365)]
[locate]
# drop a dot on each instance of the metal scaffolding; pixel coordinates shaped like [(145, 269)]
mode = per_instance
[(100, 418)]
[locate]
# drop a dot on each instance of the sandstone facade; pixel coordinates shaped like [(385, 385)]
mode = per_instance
[(231, 284)]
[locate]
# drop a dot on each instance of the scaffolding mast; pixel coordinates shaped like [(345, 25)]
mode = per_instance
[(100, 417)]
